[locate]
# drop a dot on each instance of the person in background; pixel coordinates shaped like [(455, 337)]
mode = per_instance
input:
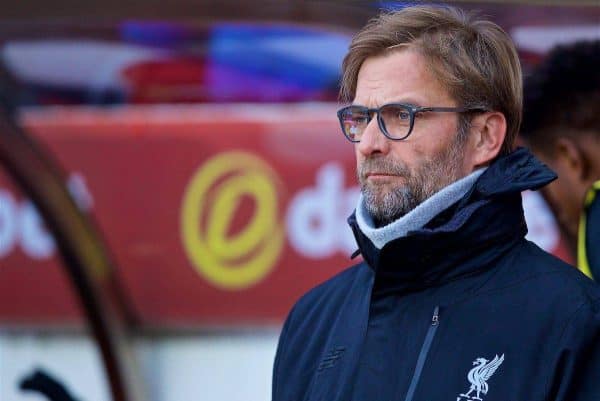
[(561, 125), (450, 302)]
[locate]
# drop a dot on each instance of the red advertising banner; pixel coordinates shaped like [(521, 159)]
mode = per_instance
[(214, 214)]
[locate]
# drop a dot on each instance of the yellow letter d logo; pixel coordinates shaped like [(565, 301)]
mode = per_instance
[(239, 260)]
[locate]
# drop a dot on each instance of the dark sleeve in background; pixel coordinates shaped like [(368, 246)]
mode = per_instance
[(592, 238)]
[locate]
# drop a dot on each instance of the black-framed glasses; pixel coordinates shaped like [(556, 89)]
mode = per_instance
[(395, 120)]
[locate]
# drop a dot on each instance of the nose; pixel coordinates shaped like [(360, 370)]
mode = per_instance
[(372, 140)]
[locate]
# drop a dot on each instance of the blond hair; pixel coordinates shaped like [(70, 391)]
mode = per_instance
[(473, 59)]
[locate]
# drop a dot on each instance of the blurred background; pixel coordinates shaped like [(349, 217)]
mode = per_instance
[(173, 179)]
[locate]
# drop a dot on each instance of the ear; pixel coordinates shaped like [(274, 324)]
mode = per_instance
[(488, 131), (570, 158)]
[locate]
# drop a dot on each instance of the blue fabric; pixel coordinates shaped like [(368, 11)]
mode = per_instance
[(357, 337)]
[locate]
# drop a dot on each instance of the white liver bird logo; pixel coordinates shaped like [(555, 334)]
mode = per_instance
[(479, 375)]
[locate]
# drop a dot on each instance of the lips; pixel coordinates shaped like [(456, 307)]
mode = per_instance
[(379, 168), (381, 177), (377, 174)]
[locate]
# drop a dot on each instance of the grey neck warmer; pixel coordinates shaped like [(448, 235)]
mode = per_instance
[(416, 218)]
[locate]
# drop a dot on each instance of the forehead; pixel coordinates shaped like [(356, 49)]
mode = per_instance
[(401, 75)]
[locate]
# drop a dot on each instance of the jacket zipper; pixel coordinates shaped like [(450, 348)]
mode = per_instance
[(423, 354)]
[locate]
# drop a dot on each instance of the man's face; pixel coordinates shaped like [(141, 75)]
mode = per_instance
[(396, 176)]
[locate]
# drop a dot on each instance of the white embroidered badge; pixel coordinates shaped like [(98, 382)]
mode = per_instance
[(478, 377)]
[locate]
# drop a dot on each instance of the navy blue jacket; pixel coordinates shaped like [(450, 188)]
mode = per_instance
[(463, 309)]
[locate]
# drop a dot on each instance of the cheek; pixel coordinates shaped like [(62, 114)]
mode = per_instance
[(410, 152), (552, 194), (359, 157), (434, 133), (563, 202)]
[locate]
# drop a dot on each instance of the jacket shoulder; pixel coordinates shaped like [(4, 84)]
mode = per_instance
[(564, 276), (331, 293), (532, 272)]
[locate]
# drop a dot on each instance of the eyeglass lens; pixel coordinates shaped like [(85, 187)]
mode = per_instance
[(394, 118)]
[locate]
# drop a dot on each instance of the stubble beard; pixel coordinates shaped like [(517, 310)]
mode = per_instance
[(386, 205)]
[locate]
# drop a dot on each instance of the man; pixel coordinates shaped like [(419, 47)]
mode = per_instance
[(562, 126), (451, 302)]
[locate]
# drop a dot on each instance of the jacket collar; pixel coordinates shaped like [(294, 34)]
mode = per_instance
[(466, 237)]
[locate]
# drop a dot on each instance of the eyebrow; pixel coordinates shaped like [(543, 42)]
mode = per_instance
[(410, 101)]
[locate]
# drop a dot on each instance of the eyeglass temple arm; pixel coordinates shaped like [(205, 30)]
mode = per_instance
[(448, 109)]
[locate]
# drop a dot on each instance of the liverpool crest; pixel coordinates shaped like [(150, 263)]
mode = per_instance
[(478, 377)]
